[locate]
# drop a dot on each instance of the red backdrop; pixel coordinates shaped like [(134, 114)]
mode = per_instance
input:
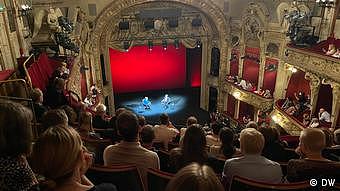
[(270, 76), (231, 105), (234, 63), (140, 69), (251, 67)]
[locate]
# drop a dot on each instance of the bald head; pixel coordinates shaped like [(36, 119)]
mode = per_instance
[(312, 140)]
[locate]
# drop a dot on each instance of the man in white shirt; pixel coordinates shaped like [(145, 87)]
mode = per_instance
[(130, 151), (165, 132), (324, 115), (252, 165)]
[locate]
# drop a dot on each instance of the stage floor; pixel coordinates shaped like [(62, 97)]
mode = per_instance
[(184, 103)]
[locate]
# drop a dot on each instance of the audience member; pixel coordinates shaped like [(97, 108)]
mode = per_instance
[(54, 117), (193, 149), (85, 124), (306, 119), (336, 134), (55, 94), (141, 121), (313, 164), (301, 101), (147, 135), (288, 103), (38, 98), (252, 143), (246, 119), (328, 137), (213, 139), (62, 171), (267, 94), (195, 177), (71, 115), (324, 116), (314, 123), (165, 132), (129, 150), (252, 124), (191, 120), (99, 120), (15, 144), (273, 148), (227, 148)]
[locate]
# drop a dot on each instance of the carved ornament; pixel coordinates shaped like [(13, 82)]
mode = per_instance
[(286, 122)]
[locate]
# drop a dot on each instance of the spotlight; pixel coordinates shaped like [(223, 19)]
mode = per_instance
[(198, 43), (164, 44), (126, 45), (150, 45), (176, 43)]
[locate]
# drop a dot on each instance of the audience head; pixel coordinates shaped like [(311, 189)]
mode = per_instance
[(147, 134), (216, 127), (271, 135), (195, 177), (321, 110), (37, 95), (141, 121), (191, 120), (49, 158), (71, 114), (252, 124), (328, 137), (227, 137), (100, 109), (15, 129), (120, 110), (312, 141), (164, 119), (251, 141), (127, 124), (337, 137), (54, 117), (85, 121), (194, 144)]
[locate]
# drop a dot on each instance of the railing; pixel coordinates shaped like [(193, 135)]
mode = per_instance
[(289, 123), (25, 66), (249, 97), (14, 88)]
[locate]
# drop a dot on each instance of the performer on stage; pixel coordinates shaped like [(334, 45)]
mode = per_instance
[(166, 101), (146, 103)]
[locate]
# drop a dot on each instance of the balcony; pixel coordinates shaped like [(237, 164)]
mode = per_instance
[(249, 97), (289, 123), (315, 60)]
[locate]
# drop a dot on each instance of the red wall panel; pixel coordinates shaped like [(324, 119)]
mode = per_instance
[(269, 79), (298, 83)]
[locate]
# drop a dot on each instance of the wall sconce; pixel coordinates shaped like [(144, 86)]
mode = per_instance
[(292, 69), (237, 94), (276, 118)]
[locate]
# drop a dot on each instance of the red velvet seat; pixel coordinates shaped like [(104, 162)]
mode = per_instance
[(158, 180)]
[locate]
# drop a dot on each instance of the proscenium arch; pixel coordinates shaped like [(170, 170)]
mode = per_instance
[(207, 7)]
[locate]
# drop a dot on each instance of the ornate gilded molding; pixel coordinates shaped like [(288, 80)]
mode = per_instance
[(323, 66), (286, 122), (257, 101), (314, 83)]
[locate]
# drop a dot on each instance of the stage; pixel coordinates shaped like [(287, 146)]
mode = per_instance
[(184, 103)]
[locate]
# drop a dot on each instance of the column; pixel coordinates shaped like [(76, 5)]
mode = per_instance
[(336, 104), (314, 82), (224, 70), (206, 62), (262, 63), (282, 80), (237, 109)]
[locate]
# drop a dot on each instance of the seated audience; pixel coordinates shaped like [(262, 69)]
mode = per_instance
[(193, 149), (54, 117), (267, 94), (129, 150), (246, 119), (336, 134), (15, 145), (288, 103), (328, 137), (306, 119), (273, 148), (324, 116), (38, 98), (195, 177), (147, 135), (71, 115), (55, 94), (85, 125), (313, 164), (99, 120), (191, 120), (291, 110), (213, 139), (252, 124), (252, 143), (165, 132), (227, 148), (301, 101), (63, 171), (141, 121)]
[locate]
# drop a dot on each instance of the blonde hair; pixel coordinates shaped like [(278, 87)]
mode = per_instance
[(251, 141), (100, 109), (313, 139), (56, 153), (195, 177)]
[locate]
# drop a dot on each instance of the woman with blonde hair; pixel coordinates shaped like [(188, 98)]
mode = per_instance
[(195, 177), (85, 124), (61, 158)]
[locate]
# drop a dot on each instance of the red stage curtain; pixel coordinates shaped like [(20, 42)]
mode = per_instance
[(141, 69), (194, 62), (270, 76), (298, 83)]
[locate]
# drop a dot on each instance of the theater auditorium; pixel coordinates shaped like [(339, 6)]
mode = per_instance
[(170, 95)]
